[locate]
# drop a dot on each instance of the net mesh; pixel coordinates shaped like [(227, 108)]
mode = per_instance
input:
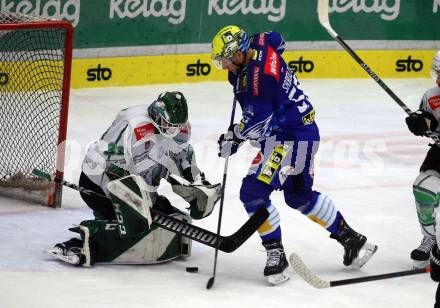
[(31, 85)]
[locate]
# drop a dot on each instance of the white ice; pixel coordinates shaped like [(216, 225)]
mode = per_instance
[(367, 162)]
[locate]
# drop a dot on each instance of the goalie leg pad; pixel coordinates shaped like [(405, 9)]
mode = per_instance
[(155, 245), (132, 204), (426, 189)]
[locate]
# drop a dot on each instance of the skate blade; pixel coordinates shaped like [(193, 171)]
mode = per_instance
[(277, 279), (420, 264), (71, 259), (368, 251)]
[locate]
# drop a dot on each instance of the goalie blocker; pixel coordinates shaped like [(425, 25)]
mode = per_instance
[(134, 238)]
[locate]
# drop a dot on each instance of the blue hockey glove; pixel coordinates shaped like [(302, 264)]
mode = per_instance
[(229, 143), (420, 121)]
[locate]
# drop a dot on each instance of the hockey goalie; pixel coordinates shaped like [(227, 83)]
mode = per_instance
[(120, 177)]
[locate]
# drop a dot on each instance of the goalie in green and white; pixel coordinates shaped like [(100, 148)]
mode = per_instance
[(123, 170), (426, 187)]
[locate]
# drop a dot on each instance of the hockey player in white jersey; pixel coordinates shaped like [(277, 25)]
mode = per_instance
[(150, 143), (426, 187)]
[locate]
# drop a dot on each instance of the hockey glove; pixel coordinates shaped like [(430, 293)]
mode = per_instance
[(115, 172), (435, 263), (420, 121), (230, 142), (198, 179)]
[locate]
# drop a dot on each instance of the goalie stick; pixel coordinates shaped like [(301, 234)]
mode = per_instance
[(208, 238), (323, 15), (311, 278)]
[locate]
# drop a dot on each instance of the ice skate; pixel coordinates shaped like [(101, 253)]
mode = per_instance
[(420, 255), (276, 264), (69, 251), (357, 251)]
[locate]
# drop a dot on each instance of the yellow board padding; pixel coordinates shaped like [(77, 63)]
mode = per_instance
[(31, 76), (144, 70), (131, 71), (339, 64)]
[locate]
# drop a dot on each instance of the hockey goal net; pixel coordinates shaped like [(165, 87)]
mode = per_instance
[(35, 64)]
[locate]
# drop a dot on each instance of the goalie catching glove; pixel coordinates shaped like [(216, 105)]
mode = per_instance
[(420, 122), (200, 194)]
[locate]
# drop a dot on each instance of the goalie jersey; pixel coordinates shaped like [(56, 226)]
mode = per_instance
[(270, 95), (133, 144), (431, 103)]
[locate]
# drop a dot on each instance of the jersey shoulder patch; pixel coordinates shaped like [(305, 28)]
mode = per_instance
[(144, 130), (272, 63)]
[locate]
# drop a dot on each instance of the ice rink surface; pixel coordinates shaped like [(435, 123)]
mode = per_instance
[(367, 162)]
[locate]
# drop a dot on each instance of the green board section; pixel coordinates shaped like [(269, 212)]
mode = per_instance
[(115, 23)]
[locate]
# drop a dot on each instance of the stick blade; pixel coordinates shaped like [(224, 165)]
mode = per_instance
[(323, 16), (210, 283), (305, 273)]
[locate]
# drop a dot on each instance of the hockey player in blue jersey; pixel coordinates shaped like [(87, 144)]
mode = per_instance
[(279, 117)]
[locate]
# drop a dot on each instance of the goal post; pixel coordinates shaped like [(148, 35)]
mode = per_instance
[(35, 67)]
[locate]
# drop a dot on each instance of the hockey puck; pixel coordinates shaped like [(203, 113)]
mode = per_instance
[(192, 269)]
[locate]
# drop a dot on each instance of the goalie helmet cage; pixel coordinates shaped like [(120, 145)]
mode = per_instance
[(35, 66)]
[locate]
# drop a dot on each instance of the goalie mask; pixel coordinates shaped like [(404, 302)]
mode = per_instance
[(169, 113), (435, 68), (226, 42)]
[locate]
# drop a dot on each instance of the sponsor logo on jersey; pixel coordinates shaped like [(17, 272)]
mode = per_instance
[(301, 65), (272, 165), (198, 68), (99, 73), (144, 130), (258, 159), (243, 81), (434, 102), (261, 39), (409, 65), (272, 65), (308, 118), (3, 79), (241, 125), (256, 81), (260, 55)]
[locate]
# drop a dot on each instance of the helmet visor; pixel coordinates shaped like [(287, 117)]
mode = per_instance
[(434, 73), (167, 128), (221, 62)]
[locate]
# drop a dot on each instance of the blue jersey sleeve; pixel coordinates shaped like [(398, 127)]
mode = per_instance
[(276, 41)]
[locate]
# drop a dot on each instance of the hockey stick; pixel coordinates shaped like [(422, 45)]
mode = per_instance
[(211, 280), (323, 15), (311, 278), (208, 238)]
